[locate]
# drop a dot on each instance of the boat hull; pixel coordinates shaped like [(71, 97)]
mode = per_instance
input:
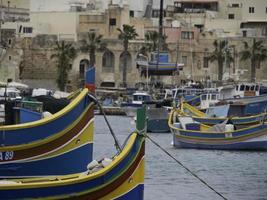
[(26, 133), (190, 134), (122, 179), (158, 126), (50, 155), (157, 120), (69, 162), (246, 145)]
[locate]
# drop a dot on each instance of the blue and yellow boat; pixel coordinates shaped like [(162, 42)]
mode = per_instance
[(56, 145), (187, 133), (201, 117), (122, 179)]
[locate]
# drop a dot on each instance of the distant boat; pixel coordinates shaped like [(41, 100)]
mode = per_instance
[(239, 90), (189, 94), (138, 99), (229, 93), (187, 133), (159, 65), (218, 114)]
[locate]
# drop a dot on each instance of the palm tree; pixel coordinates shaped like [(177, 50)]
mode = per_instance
[(65, 52), (92, 44), (221, 54), (127, 33), (151, 39), (257, 53)]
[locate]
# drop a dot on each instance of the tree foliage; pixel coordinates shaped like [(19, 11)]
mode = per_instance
[(152, 41), (64, 54), (125, 34), (221, 54), (256, 53), (91, 44)]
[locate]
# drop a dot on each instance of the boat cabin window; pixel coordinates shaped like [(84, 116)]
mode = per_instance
[(242, 88), (213, 97), (147, 98), (187, 92), (204, 97), (236, 87), (252, 88), (141, 98), (137, 98), (247, 88)]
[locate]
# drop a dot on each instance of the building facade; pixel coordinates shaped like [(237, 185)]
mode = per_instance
[(191, 27)]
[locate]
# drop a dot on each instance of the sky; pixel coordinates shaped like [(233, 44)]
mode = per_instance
[(49, 5), (64, 5)]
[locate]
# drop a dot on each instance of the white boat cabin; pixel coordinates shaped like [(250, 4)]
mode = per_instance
[(182, 91), (239, 90), (209, 99), (141, 97)]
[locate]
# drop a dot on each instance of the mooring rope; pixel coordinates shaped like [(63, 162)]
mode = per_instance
[(182, 165), (117, 144)]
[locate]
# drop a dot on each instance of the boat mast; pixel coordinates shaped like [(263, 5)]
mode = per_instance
[(160, 39), (160, 26)]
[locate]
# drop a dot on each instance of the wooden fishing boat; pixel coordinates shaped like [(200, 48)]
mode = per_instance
[(201, 117), (56, 145), (139, 99), (158, 65), (188, 133), (123, 178)]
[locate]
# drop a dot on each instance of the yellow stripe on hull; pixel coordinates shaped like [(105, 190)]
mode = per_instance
[(136, 179), (49, 139), (85, 137), (46, 120)]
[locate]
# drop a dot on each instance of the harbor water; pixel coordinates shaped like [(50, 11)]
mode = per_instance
[(235, 174)]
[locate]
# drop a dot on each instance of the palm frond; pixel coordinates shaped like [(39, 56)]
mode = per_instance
[(245, 55)]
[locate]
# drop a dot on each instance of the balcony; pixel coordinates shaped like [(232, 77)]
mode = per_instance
[(195, 6)]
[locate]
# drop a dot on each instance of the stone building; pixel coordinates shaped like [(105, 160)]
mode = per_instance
[(190, 41), (13, 14)]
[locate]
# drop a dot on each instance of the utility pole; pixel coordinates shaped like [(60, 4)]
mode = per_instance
[(160, 39), (191, 36), (1, 19), (161, 15)]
